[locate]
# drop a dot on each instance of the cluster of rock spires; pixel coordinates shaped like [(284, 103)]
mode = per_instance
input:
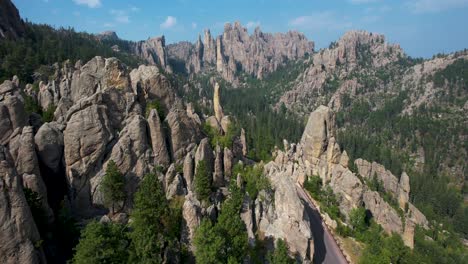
[(235, 51), (229, 54), (318, 153)]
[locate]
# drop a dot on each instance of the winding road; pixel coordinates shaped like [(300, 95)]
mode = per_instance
[(326, 249)]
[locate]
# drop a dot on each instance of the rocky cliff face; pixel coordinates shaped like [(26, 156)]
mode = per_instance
[(235, 51), (11, 24)]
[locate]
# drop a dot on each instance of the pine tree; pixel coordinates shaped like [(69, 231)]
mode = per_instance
[(113, 186), (202, 181)]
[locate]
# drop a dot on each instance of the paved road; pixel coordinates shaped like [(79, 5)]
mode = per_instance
[(326, 249)]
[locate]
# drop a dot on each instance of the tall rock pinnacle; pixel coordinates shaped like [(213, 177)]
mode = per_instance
[(217, 104)]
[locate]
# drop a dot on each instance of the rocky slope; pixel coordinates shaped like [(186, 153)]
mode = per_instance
[(11, 24)]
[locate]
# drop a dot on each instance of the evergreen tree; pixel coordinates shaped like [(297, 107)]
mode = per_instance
[(102, 243), (280, 254), (202, 181), (113, 186), (151, 221)]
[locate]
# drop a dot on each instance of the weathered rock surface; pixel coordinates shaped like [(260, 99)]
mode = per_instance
[(217, 104), (158, 139), (286, 218), (153, 51), (191, 212), (19, 235), (49, 144), (86, 140), (184, 131), (205, 153), (382, 212), (319, 129)]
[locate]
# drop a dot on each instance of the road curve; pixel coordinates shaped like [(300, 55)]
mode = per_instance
[(326, 249)]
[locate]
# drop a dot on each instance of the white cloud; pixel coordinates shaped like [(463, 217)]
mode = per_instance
[(434, 6), (170, 22), (252, 24), (89, 3), (109, 25), (194, 25), (320, 21)]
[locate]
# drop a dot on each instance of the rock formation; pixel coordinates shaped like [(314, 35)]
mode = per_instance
[(235, 50), (11, 24)]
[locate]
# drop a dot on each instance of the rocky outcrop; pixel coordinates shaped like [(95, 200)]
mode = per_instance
[(148, 82), (382, 212), (86, 140), (97, 75), (19, 235), (191, 212), (320, 127), (204, 153), (217, 104), (184, 131), (158, 139), (49, 145), (153, 51), (12, 113), (284, 216), (11, 24)]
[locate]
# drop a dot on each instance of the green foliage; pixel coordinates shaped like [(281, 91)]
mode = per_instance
[(455, 74), (102, 243), (254, 178), (209, 243), (314, 186), (217, 138), (325, 196), (227, 240), (357, 219), (38, 213), (280, 254), (113, 186), (48, 114), (152, 226), (30, 105), (155, 104), (202, 181), (44, 45)]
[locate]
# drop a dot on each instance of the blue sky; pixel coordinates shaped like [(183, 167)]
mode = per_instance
[(421, 27)]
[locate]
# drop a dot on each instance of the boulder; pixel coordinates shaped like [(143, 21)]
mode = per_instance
[(86, 140), (191, 213), (319, 129), (158, 139), (189, 170), (49, 145), (26, 159), (218, 174), (228, 159), (184, 131)]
